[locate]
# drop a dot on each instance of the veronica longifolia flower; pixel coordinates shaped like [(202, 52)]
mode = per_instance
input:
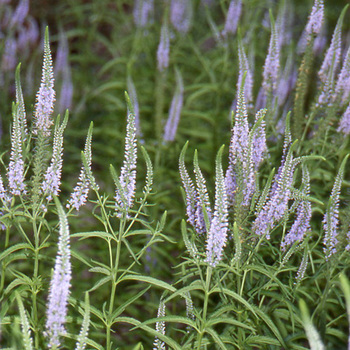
[(259, 147), (301, 224), (181, 15), (20, 13), (332, 58), (175, 110), (190, 191), (134, 101), (160, 327), (202, 202), (218, 228), (331, 217), (316, 18), (81, 190), (124, 196), (272, 63), (46, 94), (344, 125), (59, 286), (244, 69), (15, 172), (163, 48), (232, 18), (52, 177), (277, 202), (342, 89), (142, 12)]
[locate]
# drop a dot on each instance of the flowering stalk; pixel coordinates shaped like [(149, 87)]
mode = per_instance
[(217, 234), (301, 224), (134, 101), (245, 75), (175, 110), (331, 217), (81, 190), (46, 94), (15, 172), (232, 18), (203, 209), (27, 339), (160, 327), (190, 191), (163, 48), (181, 15), (60, 284), (125, 192), (344, 125), (142, 12), (52, 177)]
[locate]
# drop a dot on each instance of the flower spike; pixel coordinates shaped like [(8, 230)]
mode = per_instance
[(46, 94), (60, 284)]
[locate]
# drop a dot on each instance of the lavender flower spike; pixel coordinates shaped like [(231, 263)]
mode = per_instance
[(244, 69), (81, 190), (232, 18), (203, 210), (218, 228), (163, 48), (259, 147), (315, 22), (342, 88), (332, 58), (272, 63), (175, 110), (15, 172), (331, 217), (344, 125), (124, 196), (46, 94), (52, 177), (59, 286), (181, 15), (142, 11), (160, 327), (301, 224), (21, 108), (190, 191)]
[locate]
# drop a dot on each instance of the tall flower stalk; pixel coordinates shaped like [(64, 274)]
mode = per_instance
[(126, 186), (60, 285)]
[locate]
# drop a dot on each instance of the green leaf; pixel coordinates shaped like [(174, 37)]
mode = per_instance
[(216, 338), (149, 280), (100, 283), (170, 342), (213, 321), (93, 234), (15, 248)]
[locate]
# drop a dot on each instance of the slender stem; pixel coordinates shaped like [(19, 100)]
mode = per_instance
[(205, 307), (7, 239), (35, 276)]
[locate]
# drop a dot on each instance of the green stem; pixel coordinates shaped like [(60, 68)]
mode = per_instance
[(205, 307), (34, 288), (7, 239)]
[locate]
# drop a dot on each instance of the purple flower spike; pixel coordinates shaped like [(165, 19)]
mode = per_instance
[(175, 110), (342, 89), (301, 224), (163, 49), (202, 202), (160, 327), (244, 68), (133, 97), (3, 194), (9, 57), (344, 125), (333, 54), (52, 177), (143, 10), (127, 179), (315, 22), (218, 228), (230, 184), (190, 191), (15, 172), (59, 286), (81, 191), (272, 63), (46, 94), (181, 15), (259, 148), (331, 217), (232, 18)]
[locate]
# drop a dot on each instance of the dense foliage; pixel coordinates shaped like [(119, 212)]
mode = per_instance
[(223, 219)]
